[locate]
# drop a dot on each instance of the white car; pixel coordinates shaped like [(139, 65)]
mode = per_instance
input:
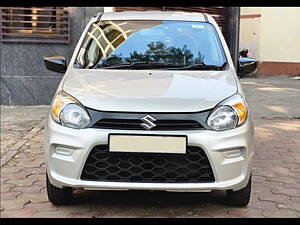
[(149, 101)]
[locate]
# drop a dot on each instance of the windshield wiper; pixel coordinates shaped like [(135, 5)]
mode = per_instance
[(200, 67), (141, 65)]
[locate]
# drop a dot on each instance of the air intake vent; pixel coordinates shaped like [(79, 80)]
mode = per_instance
[(192, 167), (130, 124)]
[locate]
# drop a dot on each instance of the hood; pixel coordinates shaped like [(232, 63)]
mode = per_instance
[(149, 90)]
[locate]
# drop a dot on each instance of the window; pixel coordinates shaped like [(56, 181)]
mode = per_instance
[(32, 24), (167, 43)]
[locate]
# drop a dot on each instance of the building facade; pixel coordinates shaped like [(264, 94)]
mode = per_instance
[(24, 78)]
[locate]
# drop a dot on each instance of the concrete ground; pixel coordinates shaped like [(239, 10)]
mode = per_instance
[(274, 102)]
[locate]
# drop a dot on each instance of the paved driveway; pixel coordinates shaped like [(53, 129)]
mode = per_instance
[(276, 180)]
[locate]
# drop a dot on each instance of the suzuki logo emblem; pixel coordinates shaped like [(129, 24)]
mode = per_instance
[(148, 122)]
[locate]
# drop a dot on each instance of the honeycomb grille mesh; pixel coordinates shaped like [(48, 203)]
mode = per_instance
[(192, 167)]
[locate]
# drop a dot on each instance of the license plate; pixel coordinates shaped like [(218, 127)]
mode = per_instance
[(147, 143)]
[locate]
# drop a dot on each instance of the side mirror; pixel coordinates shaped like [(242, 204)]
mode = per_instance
[(244, 53), (247, 66), (56, 64)]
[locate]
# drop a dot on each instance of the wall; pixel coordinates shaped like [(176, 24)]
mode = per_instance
[(272, 34), (281, 32), (250, 25), (24, 79)]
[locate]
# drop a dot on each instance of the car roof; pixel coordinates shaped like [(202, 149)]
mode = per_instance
[(154, 15)]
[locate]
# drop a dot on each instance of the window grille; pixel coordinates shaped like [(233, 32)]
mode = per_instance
[(32, 24)]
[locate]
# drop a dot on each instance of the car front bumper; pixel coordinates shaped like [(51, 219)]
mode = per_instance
[(230, 154)]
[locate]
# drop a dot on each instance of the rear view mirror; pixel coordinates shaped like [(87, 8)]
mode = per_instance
[(247, 66), (56, 64)]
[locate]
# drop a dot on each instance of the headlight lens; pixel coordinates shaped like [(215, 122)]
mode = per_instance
[(223, 118), (228, 114), (68, 112), (74, 116)]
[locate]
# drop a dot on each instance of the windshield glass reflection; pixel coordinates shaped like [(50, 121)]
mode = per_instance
[(150, 44)]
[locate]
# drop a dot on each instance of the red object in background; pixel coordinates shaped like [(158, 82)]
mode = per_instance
[(244, 53)]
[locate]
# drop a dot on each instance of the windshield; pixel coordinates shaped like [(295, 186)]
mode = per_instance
[(151, 44)]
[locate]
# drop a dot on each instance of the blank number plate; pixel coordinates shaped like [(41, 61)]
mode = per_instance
[(146, 143)]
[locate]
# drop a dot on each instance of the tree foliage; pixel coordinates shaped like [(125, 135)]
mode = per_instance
[(157, 52)]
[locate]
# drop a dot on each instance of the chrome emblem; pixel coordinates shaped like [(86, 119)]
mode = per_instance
[(148, 122)]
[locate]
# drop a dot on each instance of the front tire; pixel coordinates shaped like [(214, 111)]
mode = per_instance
[(240, 197), (58, 196)]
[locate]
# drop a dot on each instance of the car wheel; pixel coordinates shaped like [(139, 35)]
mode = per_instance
[(58, 196), (240, 197)]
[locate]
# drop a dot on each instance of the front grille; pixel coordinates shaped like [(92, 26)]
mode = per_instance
[(192, 167), (131, 124)]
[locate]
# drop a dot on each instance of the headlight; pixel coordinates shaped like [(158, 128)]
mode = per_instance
[(68, 112), (228, 114), (223, 118)]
